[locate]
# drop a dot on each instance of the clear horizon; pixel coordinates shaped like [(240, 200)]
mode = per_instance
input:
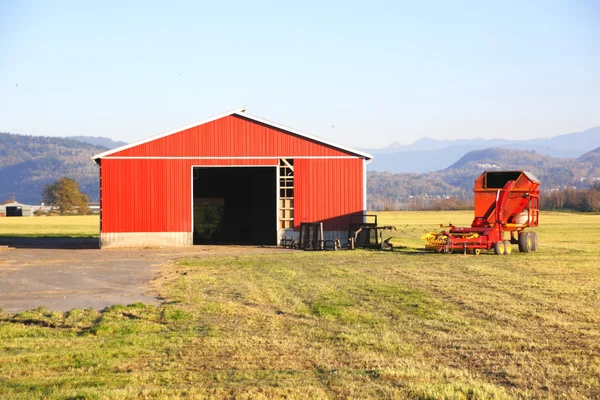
[(363, 76)]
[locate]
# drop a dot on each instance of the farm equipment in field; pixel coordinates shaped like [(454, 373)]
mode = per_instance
[(364, 232), (506, 203)]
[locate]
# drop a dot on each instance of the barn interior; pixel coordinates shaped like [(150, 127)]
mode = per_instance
[(234, 205)]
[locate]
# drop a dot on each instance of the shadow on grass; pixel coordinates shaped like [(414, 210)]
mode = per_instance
[(50, 242)]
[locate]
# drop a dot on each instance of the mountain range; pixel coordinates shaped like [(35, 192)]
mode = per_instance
[(440, 154), (99, 141), (396, 190), (28, 163)]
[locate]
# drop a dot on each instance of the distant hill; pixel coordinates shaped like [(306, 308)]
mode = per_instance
[(500, 158), (27, 163), (98, 141), (591, 156), (556, 172), (439, 154), (553, 172), (590, 161), (457, 179)]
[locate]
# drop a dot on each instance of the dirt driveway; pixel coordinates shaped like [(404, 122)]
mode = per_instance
[(39, 274)]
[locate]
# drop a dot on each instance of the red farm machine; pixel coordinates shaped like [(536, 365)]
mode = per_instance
[(506, 203)]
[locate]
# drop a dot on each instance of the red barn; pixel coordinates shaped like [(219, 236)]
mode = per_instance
[(234, 178)]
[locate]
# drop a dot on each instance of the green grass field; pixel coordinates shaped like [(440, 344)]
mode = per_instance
[(346, 324), (55, 226)]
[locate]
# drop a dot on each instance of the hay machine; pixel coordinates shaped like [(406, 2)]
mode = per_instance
[(506, 204)]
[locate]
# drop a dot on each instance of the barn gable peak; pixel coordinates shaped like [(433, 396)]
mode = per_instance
[(241, 112)]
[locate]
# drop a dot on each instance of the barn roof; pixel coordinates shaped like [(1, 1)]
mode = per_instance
[(240, 112)]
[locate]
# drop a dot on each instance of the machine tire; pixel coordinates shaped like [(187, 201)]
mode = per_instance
[(507, 247), (534, 241), (499, 248), (525, 242)]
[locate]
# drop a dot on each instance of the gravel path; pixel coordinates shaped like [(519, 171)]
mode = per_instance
[(61, 274)]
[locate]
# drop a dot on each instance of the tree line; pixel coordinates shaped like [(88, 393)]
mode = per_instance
[(569, 199), (583, 200)]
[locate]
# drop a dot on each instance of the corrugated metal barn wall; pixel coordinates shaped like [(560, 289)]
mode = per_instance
[(147, 187), (328, 190), (154, 195), (231, 136)]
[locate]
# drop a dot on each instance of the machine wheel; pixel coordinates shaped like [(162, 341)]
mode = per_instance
[(447, 250), (525, 242), (534, 241), (507, 247), (499, 248)]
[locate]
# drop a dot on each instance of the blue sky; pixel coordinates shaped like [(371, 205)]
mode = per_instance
[(359, 73)]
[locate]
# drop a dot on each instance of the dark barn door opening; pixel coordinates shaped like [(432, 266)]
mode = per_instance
[(234, 205), (14, 211)]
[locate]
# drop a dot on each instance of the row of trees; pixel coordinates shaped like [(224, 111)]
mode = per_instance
[(584, 200), (418, 203)]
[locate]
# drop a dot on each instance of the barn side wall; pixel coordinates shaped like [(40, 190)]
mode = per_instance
[(147, 202), (152, 195), (328, 190)]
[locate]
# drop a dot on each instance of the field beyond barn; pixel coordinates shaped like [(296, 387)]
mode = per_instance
[(79, 226), (346, 324)]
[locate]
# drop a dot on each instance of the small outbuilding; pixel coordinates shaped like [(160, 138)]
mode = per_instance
[(232, 179), (15, 209)]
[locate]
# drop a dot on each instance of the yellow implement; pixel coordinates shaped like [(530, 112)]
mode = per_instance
[(435, 240)]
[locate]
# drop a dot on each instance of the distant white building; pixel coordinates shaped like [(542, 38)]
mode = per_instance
[(94, 206), (488, 166), (16, 209)]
